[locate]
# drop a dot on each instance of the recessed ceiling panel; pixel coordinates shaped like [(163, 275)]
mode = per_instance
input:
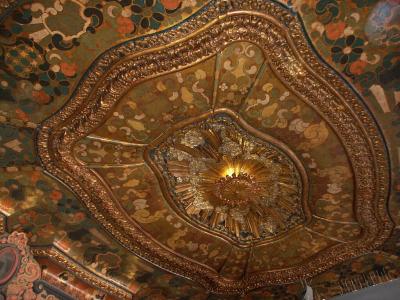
[(197, 148)]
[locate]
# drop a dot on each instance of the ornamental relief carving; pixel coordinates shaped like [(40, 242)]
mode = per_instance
[(226, 179), (224, 151)]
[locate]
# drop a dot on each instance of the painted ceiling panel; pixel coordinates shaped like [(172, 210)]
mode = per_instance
[(176, 149)]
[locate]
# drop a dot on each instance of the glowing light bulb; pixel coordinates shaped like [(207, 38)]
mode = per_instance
[(229, 171), (234, 169)]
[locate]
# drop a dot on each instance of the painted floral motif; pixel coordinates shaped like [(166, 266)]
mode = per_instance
[(43, 45), (24, 58), (353, 43), (140, 15), (26, 61), (347, 49), (147, 13)]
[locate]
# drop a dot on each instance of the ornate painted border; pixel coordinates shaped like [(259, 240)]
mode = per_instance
[(187, 44), (81, 272)]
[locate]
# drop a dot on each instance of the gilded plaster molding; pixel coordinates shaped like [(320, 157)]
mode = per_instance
[(279, 33)]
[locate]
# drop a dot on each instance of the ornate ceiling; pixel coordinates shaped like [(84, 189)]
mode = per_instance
[(167, 149)]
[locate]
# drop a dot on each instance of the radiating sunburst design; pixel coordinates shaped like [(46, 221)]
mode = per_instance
[(230, 181)]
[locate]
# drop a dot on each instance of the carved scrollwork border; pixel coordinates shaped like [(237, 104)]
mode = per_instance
[(273, 28)]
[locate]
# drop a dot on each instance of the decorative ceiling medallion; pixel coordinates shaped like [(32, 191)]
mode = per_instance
[(229, 179), (224, 151)]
